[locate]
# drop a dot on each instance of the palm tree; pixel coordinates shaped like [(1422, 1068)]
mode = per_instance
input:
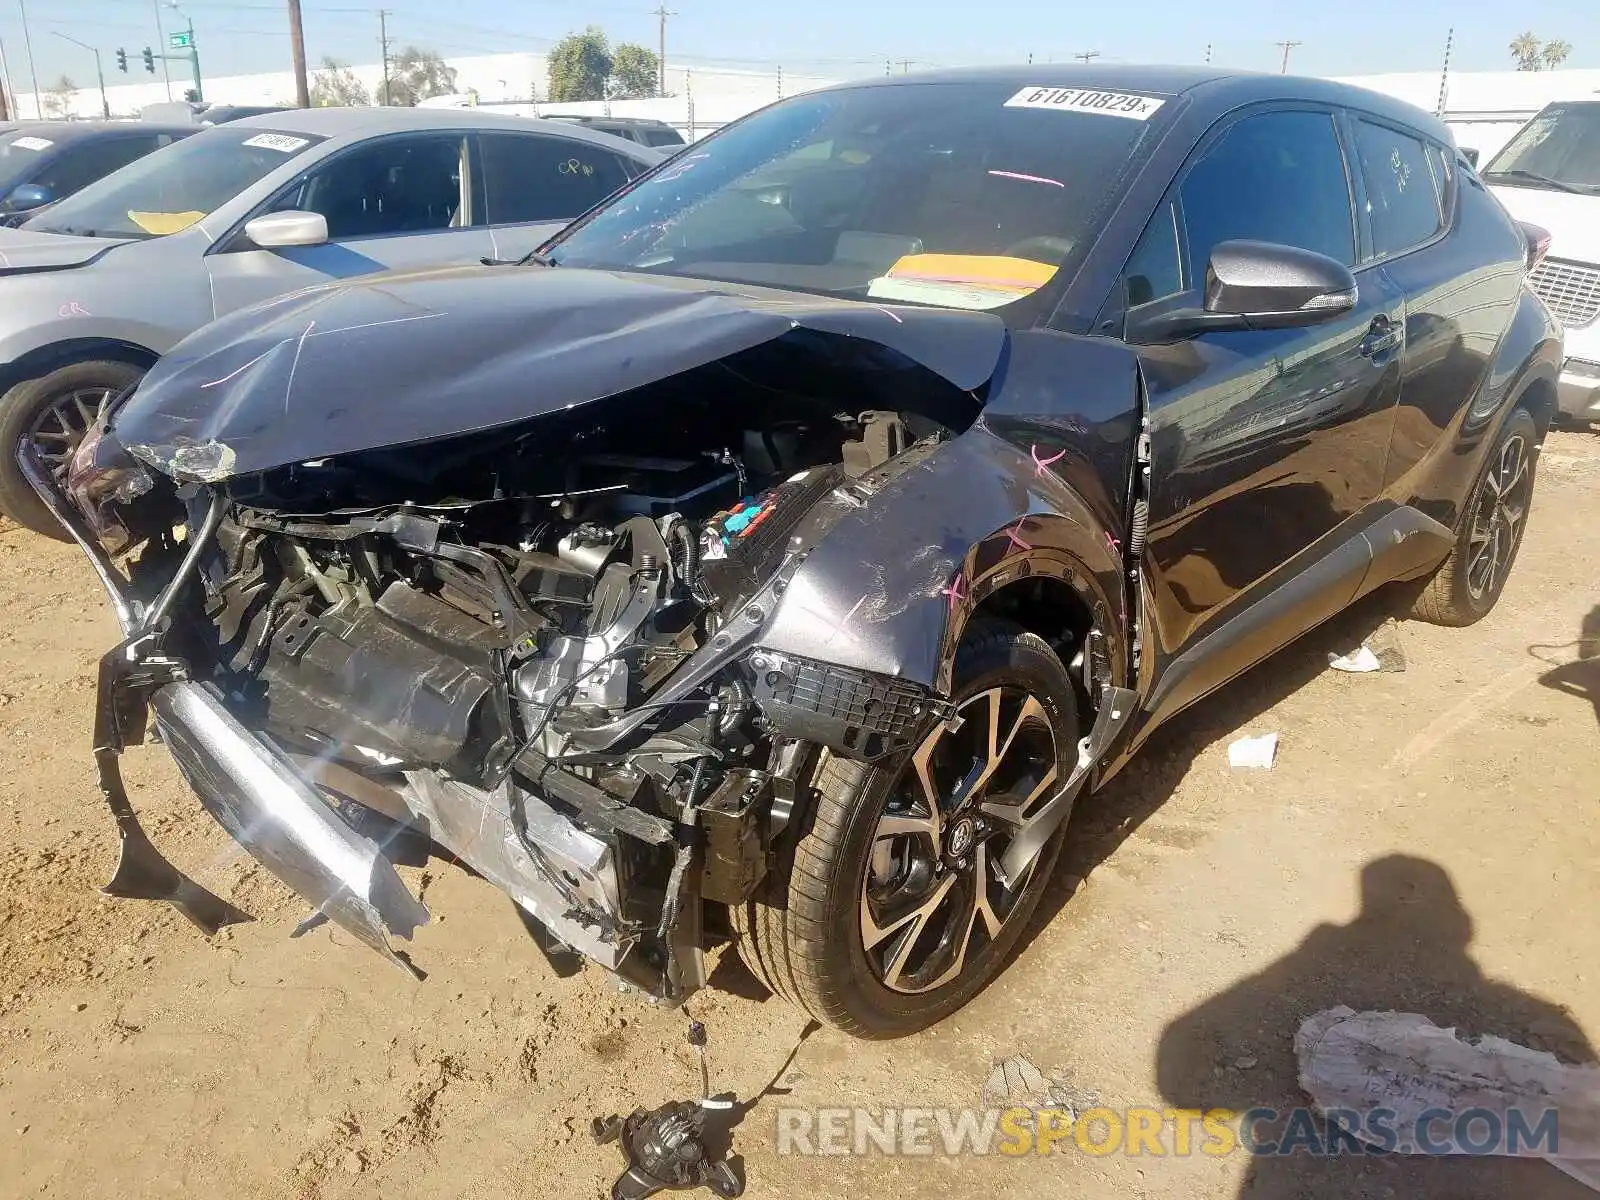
[(1555, 53), (1525, 49)]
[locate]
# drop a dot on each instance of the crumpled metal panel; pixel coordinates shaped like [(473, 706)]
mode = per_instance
[(401, 359), (281, 820)]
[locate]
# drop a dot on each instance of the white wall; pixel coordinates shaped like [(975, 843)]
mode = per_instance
[(719, 94), (1485, 108)]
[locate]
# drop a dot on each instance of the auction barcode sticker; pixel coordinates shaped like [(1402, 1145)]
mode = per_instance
[(281, 142), (1087, 100)]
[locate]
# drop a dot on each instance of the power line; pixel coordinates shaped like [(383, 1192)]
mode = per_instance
[(1287, 46)]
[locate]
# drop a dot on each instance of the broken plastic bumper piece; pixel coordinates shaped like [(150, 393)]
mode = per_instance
[(270, 810)]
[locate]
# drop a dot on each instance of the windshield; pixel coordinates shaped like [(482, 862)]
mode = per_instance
[(20, 153), (960, 195), (176, 186), (1558, 149)]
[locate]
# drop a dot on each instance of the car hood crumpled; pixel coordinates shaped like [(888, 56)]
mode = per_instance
[(403, 359)]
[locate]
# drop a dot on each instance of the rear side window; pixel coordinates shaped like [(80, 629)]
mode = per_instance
[(1402, 196), (530, 177), (1276, 177)]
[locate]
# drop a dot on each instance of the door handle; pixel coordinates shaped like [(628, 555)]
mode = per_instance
[(1383, 335)]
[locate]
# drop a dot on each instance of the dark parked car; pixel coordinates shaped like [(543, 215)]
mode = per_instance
[(43, 161), (789, 543), (644, 130)]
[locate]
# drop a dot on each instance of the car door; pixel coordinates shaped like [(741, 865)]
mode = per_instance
[(535, 183), (392, 203), (1264, 444), (1449, 250)]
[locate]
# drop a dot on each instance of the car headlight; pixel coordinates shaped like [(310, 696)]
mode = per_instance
[(101, 479)]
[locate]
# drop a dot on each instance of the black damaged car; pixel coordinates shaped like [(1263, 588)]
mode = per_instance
[(782, 551)]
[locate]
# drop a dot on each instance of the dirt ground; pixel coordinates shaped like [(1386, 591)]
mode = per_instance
[(1428, 841)]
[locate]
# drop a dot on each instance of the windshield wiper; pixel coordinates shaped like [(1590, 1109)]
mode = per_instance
[(532, 256), (1541, 180)]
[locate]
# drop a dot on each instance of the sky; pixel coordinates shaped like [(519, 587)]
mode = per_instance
[(836, 38)]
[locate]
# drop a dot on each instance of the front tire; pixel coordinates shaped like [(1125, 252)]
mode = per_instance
[(53, 412), (1489, 533), (893, 909)]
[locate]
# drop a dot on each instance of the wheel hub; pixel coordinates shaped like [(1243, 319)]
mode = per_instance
[(963, 836), (938, 886)]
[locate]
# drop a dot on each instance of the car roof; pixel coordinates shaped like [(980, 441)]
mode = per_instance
[(1217, 89), (367, 121), (67, 131)]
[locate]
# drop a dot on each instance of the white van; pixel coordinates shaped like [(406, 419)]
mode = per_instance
[(1549, 175)]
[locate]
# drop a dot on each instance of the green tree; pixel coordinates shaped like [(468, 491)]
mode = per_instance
[(1555, 52), (416, 75), (334, 85), (1525, 49), (1535, 55), (580, 64), (635, 73)]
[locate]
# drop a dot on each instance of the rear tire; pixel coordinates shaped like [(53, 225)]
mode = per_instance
[(53, 412), (871, 856), (1489, 533)]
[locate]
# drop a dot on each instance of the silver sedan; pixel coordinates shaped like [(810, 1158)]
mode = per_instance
[(99, 285)]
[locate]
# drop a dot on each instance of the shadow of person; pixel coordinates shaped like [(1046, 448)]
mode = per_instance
[(1405, 951), (1581, 677)]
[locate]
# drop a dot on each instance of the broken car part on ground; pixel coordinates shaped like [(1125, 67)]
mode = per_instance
[(796, 583)]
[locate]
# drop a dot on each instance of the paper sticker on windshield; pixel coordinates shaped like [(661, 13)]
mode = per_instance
[(32, 143), (280, 142), (1087, 100)]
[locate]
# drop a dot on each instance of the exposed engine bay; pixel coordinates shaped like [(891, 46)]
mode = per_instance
[(535, 666)]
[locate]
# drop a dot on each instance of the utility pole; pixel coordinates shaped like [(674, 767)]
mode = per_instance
[(905, 65), (383, 46), (297, 48), (191, 50), (38, 101), (661, 14), (161, 40), (105, 105), (1287, 46), (1087, 57)]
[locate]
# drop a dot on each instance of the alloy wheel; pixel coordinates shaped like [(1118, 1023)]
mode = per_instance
[(1497, 518), (61, 427), (936, 892)]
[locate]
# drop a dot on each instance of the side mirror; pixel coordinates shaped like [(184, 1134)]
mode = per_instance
[(1259, 285), (292, 227), (1471, 155), (26, 196)]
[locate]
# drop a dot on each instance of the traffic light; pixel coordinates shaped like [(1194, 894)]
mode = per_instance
[(149, 60), (122, 61)]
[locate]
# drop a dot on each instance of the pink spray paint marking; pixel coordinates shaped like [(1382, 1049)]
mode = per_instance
[(1013, 534), (1039, 464), (72, 309), (957, 592)]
